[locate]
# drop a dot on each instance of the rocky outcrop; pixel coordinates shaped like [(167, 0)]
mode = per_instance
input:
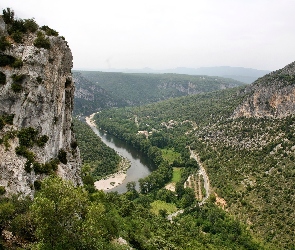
[(270, 96), (43, 100)]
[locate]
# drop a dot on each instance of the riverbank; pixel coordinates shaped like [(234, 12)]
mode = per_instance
[(112, 180)]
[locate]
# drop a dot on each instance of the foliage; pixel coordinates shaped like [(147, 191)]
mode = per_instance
[(8, 15), (2, 190), (6, 60), (62, 156), (49, 31), (2, 78), (6, 119), (4, 44), (101, 159), (104, 90), (18, 63), (41, 41), (31, 25)]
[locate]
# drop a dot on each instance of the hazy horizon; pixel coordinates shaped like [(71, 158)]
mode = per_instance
[(166, 34)]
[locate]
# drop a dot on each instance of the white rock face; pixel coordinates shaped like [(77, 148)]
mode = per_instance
[(45, 103)]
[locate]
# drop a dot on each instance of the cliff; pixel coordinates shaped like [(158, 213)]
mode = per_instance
[(270, 96), (36, 103)]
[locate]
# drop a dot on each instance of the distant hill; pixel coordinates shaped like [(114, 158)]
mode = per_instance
[(90, 98), (246, 75), (96, 90)]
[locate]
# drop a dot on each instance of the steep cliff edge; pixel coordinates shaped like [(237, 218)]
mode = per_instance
[(270, 96), (36, 103)]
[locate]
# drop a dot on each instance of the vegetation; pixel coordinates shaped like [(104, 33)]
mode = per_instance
[(42, 41), (66, 217), (4, 44), (104, 90), (254, 156), (99, 158), (49, 31)]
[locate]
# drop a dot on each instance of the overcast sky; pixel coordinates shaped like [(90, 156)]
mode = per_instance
[(162, 34)]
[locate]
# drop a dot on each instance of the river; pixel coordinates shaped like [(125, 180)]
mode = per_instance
[(140, 167)]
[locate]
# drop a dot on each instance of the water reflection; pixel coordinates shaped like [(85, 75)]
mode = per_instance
[(141, 166)]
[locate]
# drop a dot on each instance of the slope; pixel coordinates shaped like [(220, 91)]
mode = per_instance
[(249, 155)]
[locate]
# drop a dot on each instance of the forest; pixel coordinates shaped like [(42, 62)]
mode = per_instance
[(254, 155), (100, 90)]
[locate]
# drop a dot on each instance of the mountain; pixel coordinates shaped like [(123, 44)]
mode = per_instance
[(91, 98), (244, 138), (36, 103), (97, 90), (246, 75)]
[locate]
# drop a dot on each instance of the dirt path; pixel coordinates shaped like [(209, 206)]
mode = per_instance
[(202, 172)]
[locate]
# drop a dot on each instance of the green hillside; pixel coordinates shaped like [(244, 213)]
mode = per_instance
[(98, 90), (250, 161)]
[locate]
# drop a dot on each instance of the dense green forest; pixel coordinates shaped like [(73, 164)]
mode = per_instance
[(66, 217), (98, 159), (99, 90), (254, 155)]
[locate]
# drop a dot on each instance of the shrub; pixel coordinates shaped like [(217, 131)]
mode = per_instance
[(49, 31), (62, 156), (2, 190), (8, 119), (17, 36), (27, 136), (42, 140), (16, 87), (4, 44), (18, 63), (2, 123), (17, 26), (37, 185), (31, 25), (18, 78), (39, 79), (74, 144), (41, 41), (8, 16), (6, 60), (2, 78)]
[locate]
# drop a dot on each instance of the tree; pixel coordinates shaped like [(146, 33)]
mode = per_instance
[(58, 211)]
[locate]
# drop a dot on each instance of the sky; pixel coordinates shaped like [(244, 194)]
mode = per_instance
[(165, 34)]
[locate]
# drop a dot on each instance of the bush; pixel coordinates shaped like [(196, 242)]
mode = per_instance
[(6, 60), (2, 123), (16, 87), (2, 78), (2, 190), (42, 140), (18, 63), (62, 156), (8, 16), (37, 185), (17, 36), (27, 136), (31, 25), (74, 144), (4, 44), (49, 31), (39, 79), (41, 41), (18, 78)]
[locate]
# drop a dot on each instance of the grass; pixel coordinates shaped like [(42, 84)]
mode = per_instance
[(176, 175), (170, 155), (158, 205)]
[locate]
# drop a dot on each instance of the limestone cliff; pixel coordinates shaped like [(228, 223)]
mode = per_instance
[(37, 92), (270, 96)]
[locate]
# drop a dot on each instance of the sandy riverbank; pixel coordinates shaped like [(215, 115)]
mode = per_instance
[(112, 180)]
